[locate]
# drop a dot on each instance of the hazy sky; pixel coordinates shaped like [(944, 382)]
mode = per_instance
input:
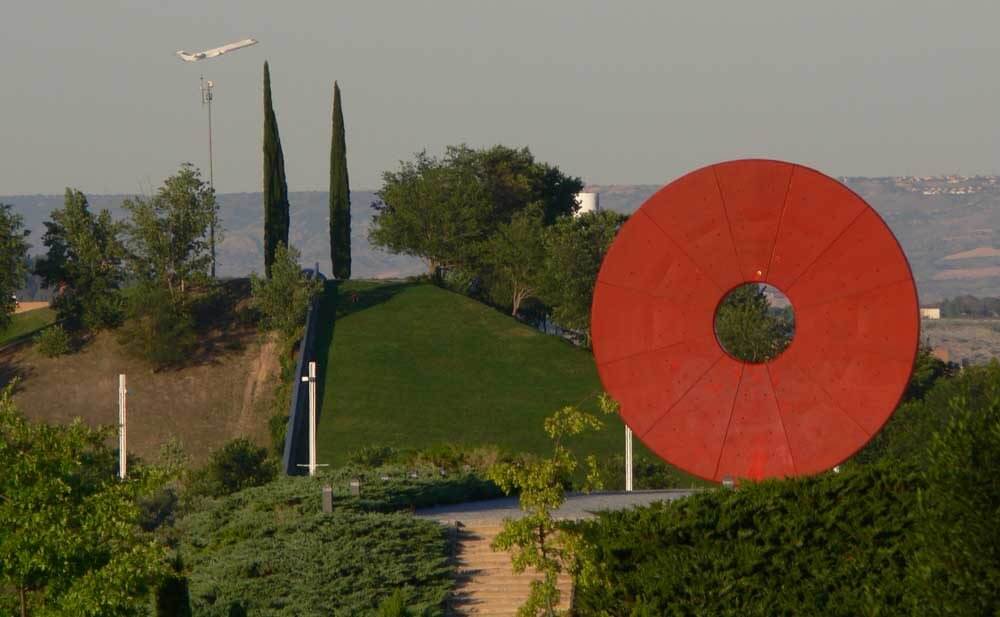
[(615, 92)]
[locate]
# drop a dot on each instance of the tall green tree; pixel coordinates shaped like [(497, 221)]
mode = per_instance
[(83, 263), (445, 209), (13, 260), (431, 210), (749, 329), (340, 195), (276, 216), (70, 539), (515, 180), (515, 257), (168, 234), (574, 250)]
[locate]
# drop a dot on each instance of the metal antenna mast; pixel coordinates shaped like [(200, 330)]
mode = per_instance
[(206, 99)]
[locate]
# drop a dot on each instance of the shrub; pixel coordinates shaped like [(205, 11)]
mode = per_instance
[(283, 299), (648, 473), (372, 456), (958, 565), (53, 341), (277, 428), (239, 464), (837, 544), (912, 427), (394, 605), (159, 328), (270, 550)]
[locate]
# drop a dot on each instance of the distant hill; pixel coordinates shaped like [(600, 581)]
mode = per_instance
[(947, 226)]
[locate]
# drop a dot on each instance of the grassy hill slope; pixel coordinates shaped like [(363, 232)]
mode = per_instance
[(411, 365), (24, 324)]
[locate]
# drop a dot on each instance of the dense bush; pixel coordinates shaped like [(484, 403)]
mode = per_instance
[(448, 457), (958, 564), (283, 298), (159, 328), (53, 341), (831, 545), (269, 550), (909, 529), (271, 562), (648, 473), (235, 466), (912, 427)]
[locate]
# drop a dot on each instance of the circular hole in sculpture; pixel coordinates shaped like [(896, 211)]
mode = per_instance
[(755, 323)]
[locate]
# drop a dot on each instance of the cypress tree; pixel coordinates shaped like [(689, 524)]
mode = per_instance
[(276, 217), (340, 195)]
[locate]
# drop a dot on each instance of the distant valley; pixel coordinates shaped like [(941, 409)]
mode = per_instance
[(947, 226)]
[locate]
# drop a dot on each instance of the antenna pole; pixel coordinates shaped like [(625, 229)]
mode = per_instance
[(312, 420), (122, 408), (628, 459), (206, 99)]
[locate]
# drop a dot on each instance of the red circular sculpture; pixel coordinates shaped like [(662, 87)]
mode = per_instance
[(856, 321)]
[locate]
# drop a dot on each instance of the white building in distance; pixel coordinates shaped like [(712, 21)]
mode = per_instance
[(589, 202), (930, 313)]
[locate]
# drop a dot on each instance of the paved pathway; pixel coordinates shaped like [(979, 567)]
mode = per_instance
[(577, 506)]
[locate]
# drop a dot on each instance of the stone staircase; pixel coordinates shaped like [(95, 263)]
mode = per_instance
[(484, 582)]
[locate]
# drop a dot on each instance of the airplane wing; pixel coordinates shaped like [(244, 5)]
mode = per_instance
[(235, 46)]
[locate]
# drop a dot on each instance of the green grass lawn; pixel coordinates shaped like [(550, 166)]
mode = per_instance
[(410, 365), (25, 323)]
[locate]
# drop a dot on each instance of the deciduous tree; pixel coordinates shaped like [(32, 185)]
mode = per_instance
[(445, 210), (70, 542), (535, 540), (749, 328), (83, 263), (515, 256), (430, 210), (13, 253), (168, 233), (574, 250)]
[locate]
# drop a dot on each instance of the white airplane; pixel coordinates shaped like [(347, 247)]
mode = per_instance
[(218, 51)]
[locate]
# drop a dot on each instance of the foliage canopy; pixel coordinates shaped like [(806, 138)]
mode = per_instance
[(83, 263), (13, 253), (70, 541)]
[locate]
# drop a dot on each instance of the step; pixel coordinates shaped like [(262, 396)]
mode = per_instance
[(485, 584)]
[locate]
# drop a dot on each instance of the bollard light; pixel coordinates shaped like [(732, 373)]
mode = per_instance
[(327, 499), (356, 487), (727, 482)]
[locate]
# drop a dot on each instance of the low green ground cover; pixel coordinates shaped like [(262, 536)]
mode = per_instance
[(26, 323), (411, 365), (270, 550)]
